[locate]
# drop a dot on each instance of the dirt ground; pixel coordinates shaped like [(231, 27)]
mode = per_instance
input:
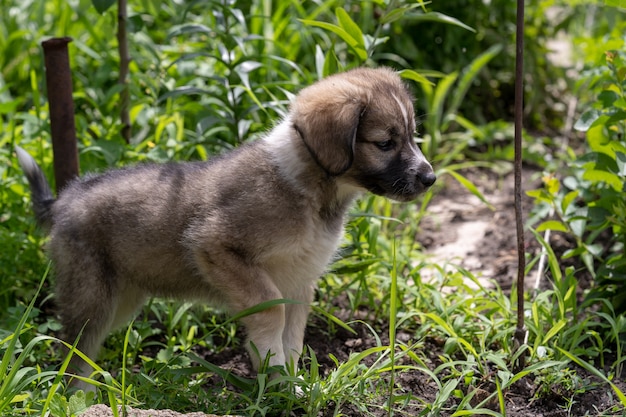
[(460, 229), (463, 230)]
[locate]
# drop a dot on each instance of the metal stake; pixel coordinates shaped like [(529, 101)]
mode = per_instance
[(61, 103)]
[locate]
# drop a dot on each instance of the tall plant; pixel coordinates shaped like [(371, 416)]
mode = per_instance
[(590, 203), (603, 172)]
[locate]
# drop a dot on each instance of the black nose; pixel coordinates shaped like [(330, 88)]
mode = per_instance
[(427, 179)]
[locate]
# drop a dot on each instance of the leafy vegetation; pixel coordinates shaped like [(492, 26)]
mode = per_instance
[(591, 205), (207, 76)]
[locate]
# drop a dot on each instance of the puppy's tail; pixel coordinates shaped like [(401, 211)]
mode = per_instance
[(41, 194)]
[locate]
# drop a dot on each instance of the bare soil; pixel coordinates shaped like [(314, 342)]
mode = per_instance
[(463, 230), (460, 229)]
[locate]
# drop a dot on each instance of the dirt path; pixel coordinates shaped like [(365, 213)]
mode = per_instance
[(462, 230)]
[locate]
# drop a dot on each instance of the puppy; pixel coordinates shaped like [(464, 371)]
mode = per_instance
[(257, 224)]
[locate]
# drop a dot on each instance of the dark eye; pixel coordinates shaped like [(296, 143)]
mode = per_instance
[(385, 145)]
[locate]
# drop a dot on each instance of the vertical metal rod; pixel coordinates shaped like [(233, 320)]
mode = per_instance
[(122, 46), (61, 103), (520, 331)]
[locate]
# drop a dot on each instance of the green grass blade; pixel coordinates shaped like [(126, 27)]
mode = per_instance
[(500, 397), (442, 18), (553, 261), (260, 307), (590, 368), (346, 22), (468, 75), (7, 357), (531, 369), (334, 319), (556, 328), (57, 381), (439, 98), (477, 412), (226, 375), (360, 52), (415, 76), (468, 185), (124, 352), (393, 311)]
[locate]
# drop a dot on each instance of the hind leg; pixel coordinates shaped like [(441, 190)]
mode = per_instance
[(91, 303), (129, 303), (96, 315), (87, 310)]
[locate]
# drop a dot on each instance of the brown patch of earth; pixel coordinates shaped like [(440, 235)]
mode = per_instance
[(463, 230)]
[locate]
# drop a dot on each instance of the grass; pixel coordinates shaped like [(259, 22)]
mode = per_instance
[(426, 339), (457, 344)]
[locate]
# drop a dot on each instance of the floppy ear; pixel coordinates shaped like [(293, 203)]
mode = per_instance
[(327, 124)]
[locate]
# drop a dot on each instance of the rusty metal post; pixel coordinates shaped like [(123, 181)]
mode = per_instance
[(61, 103), (520, 331)]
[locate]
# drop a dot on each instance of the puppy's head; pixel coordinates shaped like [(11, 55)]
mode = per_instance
[(359, 126)]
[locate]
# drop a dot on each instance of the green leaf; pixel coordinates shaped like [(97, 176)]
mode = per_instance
[(415, 76), (567, 200), (587, 119), (616, 117), (533, 369), (441, 18), (20, 397), (261, 307), (556, 328), (347, 24), (8, 107), (102, 5), (552, 225), (447, 390), (596, 175), (189, 28), (596, 136), (607, 98), (183, 91), (578, 223), (438, 99), (540, 195), (353, 267), (600, 160), (347, 38), (620, 160), (398, 13), (552, 185), (620, 103), (319, 61), (331, 63), (80, 401)]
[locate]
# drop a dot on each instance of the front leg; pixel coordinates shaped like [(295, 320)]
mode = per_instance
[(264, 329), (296, 316), (243, 285)]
